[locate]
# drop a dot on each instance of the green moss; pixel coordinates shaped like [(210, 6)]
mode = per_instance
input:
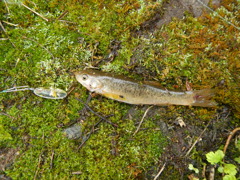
[(202, 50), (42, 138)]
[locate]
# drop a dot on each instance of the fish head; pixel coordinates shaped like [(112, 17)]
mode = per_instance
[(88, 80)]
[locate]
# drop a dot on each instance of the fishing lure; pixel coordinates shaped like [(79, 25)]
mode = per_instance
[(48, 93)]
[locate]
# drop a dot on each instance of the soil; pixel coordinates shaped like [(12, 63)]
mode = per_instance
[(185, 137)]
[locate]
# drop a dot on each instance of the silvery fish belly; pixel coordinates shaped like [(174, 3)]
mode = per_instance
[(132, 92)]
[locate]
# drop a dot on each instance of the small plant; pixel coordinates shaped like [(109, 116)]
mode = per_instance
[(228, 169), (216, 158), (191, 167)]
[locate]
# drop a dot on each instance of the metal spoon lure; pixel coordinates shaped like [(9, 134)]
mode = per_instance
[(48, 93)]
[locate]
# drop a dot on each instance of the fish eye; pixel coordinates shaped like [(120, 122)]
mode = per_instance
[(84, 77)]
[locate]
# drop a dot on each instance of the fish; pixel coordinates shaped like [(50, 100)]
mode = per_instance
[(133, 92)]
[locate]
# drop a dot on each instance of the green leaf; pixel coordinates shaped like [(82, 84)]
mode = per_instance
[(215, 157), (230, 169), (220, 169), (237, 159), (229, 177), (191, 167)]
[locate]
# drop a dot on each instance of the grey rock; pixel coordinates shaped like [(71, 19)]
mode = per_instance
[(73, 132)]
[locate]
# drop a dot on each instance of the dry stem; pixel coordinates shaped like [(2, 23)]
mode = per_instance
[(35, 12), (142, 120)]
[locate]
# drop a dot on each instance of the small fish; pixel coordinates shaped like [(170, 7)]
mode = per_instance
[(131, 92)]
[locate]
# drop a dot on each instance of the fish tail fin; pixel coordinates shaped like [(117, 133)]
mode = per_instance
[(202, 98)]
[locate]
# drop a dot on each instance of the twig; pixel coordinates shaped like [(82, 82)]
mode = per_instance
[(226, 21), (6, 34), (5, 114), (2, 27), (142, 120), (39, 161), (35, 12), (211, 173), (89, 134), (71, 89), (65, 21), (76, 172), (197, 139), (88, 99), (229, 138), (204, 171), (228, 141), (52, 157), (94, 126), (7, 6), (63, 14), (161, 170), (11, 24), (109, 122), (40, 45)]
